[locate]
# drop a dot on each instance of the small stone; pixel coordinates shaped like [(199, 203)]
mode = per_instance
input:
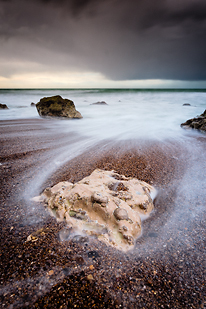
[(31, 238), (99, 198), (47, 192), (93, 254), (90, 277), (79, 259), (50, 273), (66, 271), (129, 239), (121, 187), (143, 206), (121, 214)]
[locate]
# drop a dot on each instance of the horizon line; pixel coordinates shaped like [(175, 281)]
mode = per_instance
[(108, 88)]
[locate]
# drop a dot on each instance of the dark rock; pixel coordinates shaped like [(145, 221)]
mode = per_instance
[(93, 254), (186, 104), (99, 103), (33, 104), (198, 123), (79, 259), (3, 106), (66, 271), (56, 106)]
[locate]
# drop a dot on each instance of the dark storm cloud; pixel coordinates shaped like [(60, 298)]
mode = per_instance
[(75, 6), (145, 39)]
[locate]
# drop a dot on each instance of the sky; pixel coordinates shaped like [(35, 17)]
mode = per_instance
[(102, 43)]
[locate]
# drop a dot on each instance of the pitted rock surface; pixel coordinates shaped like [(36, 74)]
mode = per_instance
[(105, 205)]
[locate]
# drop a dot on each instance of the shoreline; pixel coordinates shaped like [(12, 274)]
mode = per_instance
[(164, 271)]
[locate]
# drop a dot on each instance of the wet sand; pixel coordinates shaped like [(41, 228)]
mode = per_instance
[(166, 269)]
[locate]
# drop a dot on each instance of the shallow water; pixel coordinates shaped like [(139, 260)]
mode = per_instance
[(129, 114)]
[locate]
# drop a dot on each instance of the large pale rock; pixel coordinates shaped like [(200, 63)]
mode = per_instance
[(104, 204), (198, 123), (56, 106)]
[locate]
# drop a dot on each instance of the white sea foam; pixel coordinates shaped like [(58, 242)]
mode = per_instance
[(128, 115)]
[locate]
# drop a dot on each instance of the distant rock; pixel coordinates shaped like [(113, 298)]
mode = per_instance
[(56, 106), (99, 103), (103, 206), (3, 106), (186, 104), (198, 123), (33, 104)]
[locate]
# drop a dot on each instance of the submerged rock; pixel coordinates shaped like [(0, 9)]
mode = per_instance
[(99, 103), (33, 104), (56, 106), (186, 104), (103, 206), (3, 106), (198, 123)]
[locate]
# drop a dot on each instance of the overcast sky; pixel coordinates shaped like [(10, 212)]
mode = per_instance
[(108, 43)]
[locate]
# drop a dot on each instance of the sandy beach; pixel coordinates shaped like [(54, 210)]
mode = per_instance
[(166, 268)]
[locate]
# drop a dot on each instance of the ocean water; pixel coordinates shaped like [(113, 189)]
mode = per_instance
[(130, 113)]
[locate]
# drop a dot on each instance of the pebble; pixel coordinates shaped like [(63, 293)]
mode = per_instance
[(121, 214), (90, 277)]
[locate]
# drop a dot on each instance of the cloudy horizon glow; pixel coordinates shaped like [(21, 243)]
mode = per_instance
[(111, 43)]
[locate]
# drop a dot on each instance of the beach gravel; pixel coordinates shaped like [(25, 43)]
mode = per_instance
[(42, 267)]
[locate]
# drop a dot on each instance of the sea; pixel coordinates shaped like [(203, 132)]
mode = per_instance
[(129, 114)]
